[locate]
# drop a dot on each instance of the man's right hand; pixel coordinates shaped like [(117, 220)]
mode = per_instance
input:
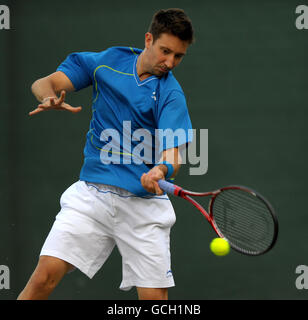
[(55, 103)]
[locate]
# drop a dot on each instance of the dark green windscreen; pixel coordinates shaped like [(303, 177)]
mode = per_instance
[(245, 80)]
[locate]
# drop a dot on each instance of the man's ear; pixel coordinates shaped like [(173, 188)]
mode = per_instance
[(148, 40)]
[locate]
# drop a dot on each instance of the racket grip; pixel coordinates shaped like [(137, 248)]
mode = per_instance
[(166, 186)]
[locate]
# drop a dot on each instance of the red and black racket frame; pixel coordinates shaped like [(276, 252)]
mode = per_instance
[(186, 194)]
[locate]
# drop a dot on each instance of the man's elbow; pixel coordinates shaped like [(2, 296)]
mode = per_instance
[(34, 85), (37, 83)]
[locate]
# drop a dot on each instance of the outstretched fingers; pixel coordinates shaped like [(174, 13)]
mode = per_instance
[(35, 111), (55, 103), (62, 97), (43, 107), (68, 107)]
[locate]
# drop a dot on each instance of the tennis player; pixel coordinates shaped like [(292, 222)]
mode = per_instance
[(119, 204)]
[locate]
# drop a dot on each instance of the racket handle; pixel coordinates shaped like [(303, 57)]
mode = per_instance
[(166, 186)]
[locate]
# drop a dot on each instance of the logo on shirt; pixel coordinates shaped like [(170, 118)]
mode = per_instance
[(154, 95)]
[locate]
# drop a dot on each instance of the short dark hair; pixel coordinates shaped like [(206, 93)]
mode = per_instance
[(173, 21)]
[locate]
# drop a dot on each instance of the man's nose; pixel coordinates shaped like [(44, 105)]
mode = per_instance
[(170, 62)]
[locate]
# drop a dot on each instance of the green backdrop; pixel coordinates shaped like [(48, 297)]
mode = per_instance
[(245, 80)]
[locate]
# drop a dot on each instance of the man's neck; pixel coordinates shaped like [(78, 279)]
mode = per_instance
[(142, 73)]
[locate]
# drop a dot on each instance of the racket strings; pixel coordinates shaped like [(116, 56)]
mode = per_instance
[(244, 219)]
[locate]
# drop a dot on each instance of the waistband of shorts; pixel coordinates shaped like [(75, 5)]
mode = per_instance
[(105, 188)]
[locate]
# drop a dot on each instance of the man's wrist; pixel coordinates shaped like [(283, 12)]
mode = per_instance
[(169, 169), (51, 97)]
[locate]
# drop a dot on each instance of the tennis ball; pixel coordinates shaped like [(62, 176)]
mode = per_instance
[(220, 246)]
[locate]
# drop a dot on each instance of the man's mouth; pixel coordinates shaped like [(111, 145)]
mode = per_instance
[(162, 69)]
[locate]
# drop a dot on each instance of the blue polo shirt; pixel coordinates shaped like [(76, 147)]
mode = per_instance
[(132, 120)]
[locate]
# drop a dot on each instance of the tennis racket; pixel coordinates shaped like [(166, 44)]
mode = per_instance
[(238, 214)]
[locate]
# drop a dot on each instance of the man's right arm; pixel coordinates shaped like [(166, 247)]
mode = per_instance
[(47, 89), (51, 86)]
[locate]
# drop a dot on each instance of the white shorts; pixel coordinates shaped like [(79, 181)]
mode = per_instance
[(95, 217)]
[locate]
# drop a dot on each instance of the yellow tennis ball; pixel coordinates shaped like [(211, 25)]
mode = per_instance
[(220, 246)]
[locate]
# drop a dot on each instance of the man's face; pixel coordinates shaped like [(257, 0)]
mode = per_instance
[(164, 54)]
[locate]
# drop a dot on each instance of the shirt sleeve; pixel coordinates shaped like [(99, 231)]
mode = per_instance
[(77, 67), (174, 123)]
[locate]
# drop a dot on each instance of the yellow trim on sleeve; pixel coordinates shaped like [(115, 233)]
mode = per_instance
[(136, 54)]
